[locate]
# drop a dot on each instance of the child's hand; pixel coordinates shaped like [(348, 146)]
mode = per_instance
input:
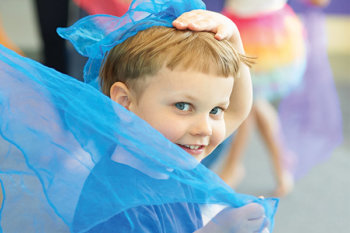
[(247, 219), (203, 20)]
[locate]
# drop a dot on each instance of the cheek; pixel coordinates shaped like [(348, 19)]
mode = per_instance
[(162, 120), (218, 134), (171, 130)]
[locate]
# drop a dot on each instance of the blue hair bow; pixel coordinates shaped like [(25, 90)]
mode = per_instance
[(93, 36)]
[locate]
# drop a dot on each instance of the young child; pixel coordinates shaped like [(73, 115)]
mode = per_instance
[(155, 75), (101, 168)]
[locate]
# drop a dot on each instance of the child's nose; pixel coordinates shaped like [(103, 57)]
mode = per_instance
[(201, 127)]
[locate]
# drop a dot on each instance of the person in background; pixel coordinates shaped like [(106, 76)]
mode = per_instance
[(274, 34), (279, 70)]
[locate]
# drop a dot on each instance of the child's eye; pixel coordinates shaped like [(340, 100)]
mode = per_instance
[(183, 106), (216, 111)]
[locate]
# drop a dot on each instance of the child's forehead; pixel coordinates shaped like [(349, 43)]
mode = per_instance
[(179, 79), (184, 79), (190, 71)]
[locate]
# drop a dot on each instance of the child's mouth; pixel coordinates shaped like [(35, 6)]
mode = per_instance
[(193, 149)]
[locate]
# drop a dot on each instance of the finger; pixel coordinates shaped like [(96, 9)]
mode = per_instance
[(254, 211), (194, 23), (186, 18), (203, 25), (199, 20), (179, 25), (222, 33)]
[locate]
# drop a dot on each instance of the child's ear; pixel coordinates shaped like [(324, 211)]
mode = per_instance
[(121, 94)]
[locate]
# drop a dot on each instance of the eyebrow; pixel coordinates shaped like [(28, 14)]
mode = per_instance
[(190, 97), (224, 103)]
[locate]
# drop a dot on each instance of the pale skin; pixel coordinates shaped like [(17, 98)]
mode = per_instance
[(197, 108), (189, 100)]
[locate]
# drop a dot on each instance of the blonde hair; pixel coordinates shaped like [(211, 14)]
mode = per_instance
[(147, 52)]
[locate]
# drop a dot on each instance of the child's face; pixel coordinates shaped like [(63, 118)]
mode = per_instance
[(187, 107)]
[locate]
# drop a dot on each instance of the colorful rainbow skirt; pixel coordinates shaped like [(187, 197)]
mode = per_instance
[(277, 40)]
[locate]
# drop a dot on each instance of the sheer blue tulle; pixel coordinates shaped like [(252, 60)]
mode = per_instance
[(60, 136), (95, 35)]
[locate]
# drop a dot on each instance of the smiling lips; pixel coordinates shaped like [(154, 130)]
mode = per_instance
[(193, 149)]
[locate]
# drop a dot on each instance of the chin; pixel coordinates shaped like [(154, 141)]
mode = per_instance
[(201, 157)]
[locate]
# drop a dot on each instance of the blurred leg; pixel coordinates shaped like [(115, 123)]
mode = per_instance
[(268, 125), (233, 170)]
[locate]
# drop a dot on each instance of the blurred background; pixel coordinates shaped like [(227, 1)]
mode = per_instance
[(320, 200)]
